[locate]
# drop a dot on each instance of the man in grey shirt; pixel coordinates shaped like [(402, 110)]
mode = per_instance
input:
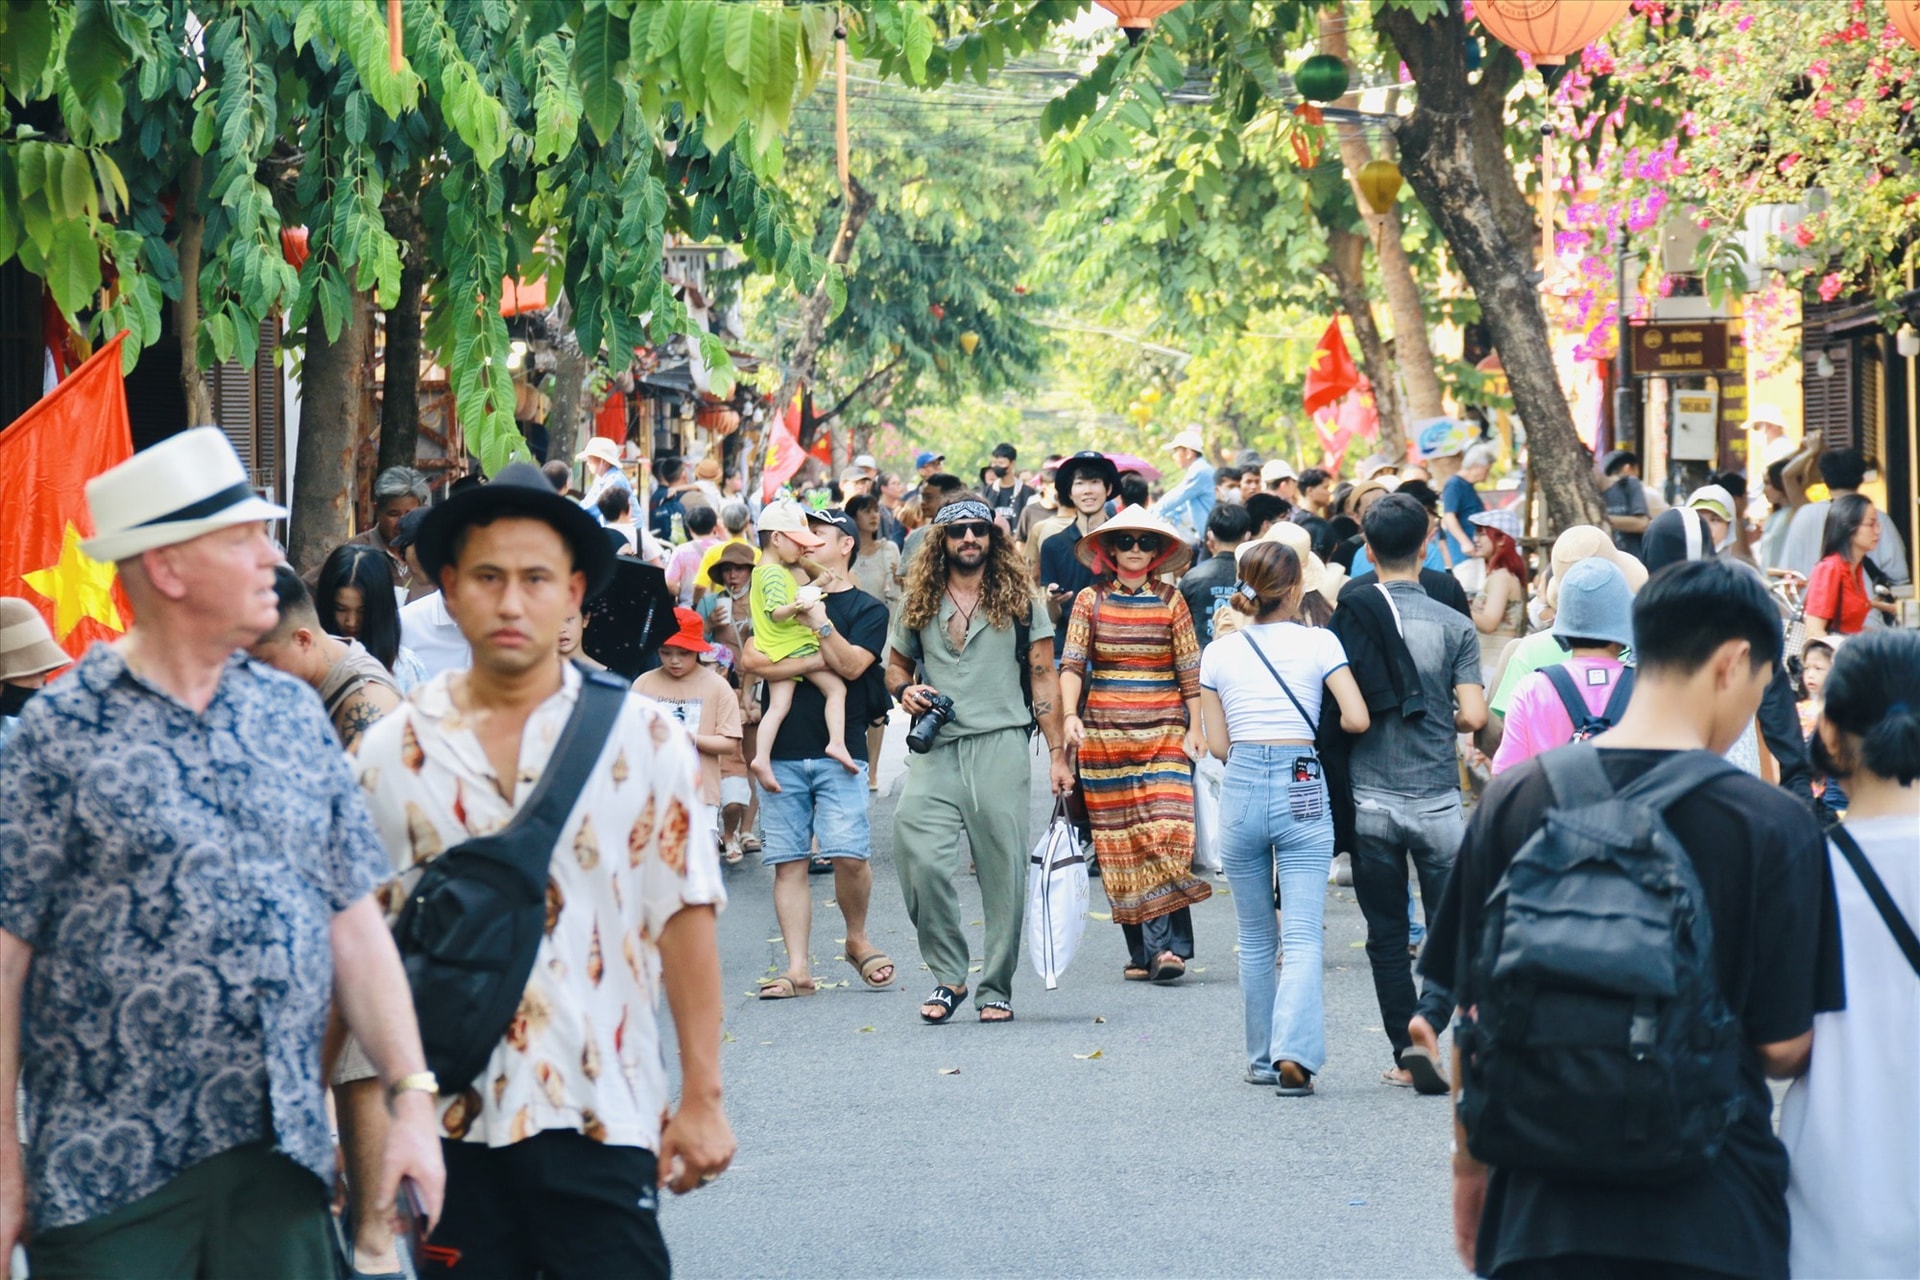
[(1406, 789)]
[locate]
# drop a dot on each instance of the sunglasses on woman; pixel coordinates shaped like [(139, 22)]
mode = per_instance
[(972, 529), (1147, 542)]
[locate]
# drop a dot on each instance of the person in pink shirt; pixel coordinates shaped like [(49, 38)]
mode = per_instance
[(1595, 625)]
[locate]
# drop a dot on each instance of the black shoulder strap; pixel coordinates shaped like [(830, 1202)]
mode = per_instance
[(536, 828), (1686, 772), (1570, 698), (1305, 719), (1575, 775), (1877, 890), (1621, 695), (1022, 643)]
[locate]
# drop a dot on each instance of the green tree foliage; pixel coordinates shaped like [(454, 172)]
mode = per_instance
[(564, 137)]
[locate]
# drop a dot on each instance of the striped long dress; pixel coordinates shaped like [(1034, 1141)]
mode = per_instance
[(1139, 663)]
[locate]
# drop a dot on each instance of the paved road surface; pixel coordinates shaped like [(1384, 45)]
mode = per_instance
[(859, 1158)]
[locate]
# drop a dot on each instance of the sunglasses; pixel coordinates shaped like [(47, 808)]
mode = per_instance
[(1147, 542), (972, 529)]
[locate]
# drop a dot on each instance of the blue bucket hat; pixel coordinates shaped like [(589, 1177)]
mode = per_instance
[(1595, 604)]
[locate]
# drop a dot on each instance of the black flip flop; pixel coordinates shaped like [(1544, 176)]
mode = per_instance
[(1165, 971), (948, 999), (1302, 1090), (1000, 1005), (1426, 1073)]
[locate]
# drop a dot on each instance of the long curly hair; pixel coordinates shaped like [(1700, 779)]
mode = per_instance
[(1006, 588)]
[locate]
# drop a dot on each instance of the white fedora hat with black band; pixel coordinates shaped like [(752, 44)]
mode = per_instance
[(185, 486)]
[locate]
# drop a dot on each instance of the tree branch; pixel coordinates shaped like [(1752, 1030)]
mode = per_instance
[(849, 398)]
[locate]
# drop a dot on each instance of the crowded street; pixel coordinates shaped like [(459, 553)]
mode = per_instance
[(962, 639)]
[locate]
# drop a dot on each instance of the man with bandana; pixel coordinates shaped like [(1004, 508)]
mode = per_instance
[(971, 620)]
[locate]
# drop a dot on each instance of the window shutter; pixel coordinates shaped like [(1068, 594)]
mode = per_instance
[(1830, 401), (246, 406)]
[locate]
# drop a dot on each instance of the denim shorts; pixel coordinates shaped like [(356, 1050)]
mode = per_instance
[(817, 798)]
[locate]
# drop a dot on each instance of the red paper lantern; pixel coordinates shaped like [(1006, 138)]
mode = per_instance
[(1549, 30), (1905, 17), (1135, 16)]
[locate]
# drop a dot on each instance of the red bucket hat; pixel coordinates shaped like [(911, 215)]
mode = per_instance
[(691, 635)]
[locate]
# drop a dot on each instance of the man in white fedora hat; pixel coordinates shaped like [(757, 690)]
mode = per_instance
[(1189, 502), (186, 876), (27, 655)]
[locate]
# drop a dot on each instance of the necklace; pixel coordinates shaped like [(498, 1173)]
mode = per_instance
[(966, 614)]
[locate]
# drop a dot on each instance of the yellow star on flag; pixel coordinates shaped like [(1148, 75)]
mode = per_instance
[(79, 586)]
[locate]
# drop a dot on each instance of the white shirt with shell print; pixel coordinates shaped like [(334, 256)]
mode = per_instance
[(583, 1053)]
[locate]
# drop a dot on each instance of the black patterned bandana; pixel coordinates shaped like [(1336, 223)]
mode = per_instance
[(964, 509)]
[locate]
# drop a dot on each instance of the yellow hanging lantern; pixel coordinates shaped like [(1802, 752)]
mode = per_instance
[(1379, 183), (968, 341)]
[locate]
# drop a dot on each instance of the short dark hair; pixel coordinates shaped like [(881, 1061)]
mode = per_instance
[(1874, 691), (1230, 522), (667, 470), (1265, 508), (1227, 475), (1619, 460), (1396, 529), (1421, 492), (1692, 607), (1314, 476), (1845, 514), (1007, 451), (614, 502), (1843, 468), (558, 474), (1133, 488), (945, 482), (1777, 473), (1733, 482), (296, 604), (369, 572), (1320, 531), (700, 519)]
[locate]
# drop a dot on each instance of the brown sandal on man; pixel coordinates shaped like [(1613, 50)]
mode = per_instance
[(785, 988), (1136, 973), (1167, 967), (870, 964)]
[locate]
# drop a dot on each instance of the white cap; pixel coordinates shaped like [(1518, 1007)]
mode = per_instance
[(1712, 498), (866, 460), (1190, 438), (1278, 469), (791, 519)]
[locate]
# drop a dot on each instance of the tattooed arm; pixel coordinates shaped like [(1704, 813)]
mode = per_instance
[(1046, 709), (361, 709)]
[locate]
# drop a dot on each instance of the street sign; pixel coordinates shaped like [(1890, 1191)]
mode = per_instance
[(1677, 348)]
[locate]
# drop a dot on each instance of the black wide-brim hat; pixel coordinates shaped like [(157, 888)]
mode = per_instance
[(1086, 460), (519, 490)]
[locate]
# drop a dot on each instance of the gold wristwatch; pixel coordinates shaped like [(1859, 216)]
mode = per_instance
[(418, 1081)]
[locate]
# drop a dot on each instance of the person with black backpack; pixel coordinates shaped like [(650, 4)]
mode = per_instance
[(1586, 694), (1852, 1123), (1634, 936)]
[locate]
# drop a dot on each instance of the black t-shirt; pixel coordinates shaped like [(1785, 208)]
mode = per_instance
[(803, 736), (1443, 587), (1206, 587), (1762, 866)]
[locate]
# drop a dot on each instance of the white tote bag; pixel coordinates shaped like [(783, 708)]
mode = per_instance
[(1057, 894), (1209, 775)]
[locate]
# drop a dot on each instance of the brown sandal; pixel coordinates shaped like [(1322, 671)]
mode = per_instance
[(785, 988), (870, 964)]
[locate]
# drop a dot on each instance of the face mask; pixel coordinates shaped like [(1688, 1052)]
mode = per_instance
[(14, 698)]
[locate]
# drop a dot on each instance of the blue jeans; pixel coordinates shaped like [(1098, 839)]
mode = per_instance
[(816, 799), (1265, 823), (1389, 829)]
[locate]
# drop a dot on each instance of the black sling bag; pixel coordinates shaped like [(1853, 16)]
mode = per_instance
[(471, 927)]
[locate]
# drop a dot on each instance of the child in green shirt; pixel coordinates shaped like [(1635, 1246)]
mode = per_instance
[(777, 597)]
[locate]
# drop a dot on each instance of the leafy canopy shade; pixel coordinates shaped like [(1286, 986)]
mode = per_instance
[(1549, 30)]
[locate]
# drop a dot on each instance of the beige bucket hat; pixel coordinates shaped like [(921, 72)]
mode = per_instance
[(26, 644)]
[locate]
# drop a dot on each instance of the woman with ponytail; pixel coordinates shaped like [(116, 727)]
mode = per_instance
[(1260, 693), (1851, 1124)]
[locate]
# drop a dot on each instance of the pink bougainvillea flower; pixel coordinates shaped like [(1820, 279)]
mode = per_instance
[(1830, 286), (1803, 235)]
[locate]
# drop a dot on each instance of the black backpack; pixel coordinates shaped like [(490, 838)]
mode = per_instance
[(1599, 1048), (471, 928), (1585, 723)]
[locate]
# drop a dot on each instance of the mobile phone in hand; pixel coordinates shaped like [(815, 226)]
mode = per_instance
[(411, 1207)]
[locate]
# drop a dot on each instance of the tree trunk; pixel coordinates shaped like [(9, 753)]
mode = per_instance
[(1489, 127), (1439, 157), (813, 321), (1344, 267), (400, 397), (186, 309), (332, 418), (1412, 350), (570, 365)]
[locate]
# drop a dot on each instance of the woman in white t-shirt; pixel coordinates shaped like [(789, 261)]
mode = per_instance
[(1851, 1125), (1260, 693)]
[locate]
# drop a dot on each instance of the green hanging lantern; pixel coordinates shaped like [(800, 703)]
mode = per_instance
[(1321, 78)]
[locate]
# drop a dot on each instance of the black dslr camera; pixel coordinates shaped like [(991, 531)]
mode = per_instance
[(927, 724)]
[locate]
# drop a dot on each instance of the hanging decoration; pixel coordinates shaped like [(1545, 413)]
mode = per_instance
[(1305, 144), (1905, 17), (393, 36), (1549, 30), (1136, 17), (1321, 78), (1379, 183), (969, 341)]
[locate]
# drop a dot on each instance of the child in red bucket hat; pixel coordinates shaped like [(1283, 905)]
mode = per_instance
[(699, 698)]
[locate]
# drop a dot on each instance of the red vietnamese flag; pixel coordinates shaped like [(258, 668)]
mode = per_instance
[(784, 454), (74, 433), (1331, 373)]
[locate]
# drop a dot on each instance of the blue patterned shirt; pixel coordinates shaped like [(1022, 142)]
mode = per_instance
[(176, 875)]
